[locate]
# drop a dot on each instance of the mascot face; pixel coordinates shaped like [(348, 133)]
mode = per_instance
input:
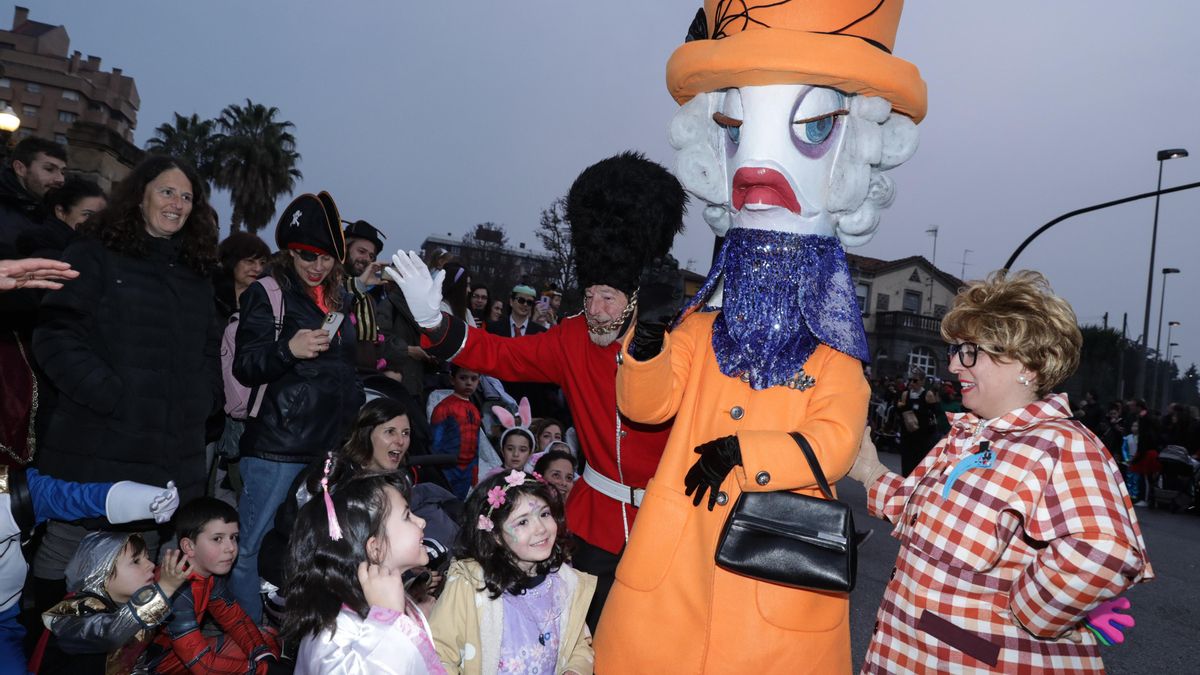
[(781, 143)]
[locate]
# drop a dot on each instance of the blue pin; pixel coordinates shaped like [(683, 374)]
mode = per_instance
[(979, 460)]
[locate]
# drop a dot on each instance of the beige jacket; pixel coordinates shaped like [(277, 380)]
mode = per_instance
[(467, 623)]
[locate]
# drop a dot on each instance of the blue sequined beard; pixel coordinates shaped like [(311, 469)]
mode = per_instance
[(784, 294)]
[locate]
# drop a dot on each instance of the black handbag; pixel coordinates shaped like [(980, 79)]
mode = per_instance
[(792, 539)]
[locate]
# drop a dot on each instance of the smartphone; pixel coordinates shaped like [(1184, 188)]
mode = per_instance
[(333, 321), (544, 302)]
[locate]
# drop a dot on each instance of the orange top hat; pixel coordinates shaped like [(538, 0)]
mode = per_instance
[(842, 44)]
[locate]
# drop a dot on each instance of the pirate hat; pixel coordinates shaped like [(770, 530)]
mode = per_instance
[(361, 229), (311, 223), (624, 213), (842, 44)]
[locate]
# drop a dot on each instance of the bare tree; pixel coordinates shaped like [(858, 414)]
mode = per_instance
[(555, 234), (485, 254)]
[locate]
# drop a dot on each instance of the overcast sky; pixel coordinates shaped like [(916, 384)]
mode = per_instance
[(426, 118)]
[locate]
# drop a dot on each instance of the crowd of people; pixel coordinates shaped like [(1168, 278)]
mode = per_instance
[(263, 390)]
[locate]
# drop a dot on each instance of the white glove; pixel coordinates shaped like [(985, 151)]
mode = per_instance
[(867, 468), (422, 292), (128, 501)]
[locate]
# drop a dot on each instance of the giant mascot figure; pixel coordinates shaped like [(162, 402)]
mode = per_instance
[(791, 111)]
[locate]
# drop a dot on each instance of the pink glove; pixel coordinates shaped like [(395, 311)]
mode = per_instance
[(1107, 622)]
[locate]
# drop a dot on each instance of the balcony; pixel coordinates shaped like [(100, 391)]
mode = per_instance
[(894, 323)]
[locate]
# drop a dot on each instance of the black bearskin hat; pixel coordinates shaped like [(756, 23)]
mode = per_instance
[(624, 213)]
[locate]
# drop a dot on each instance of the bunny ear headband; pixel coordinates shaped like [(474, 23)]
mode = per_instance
[(510, 423)]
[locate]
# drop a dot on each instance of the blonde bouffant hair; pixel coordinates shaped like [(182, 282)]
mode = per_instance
[(1018, 317)]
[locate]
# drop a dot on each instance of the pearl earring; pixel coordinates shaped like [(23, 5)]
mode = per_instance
[(1023, 380)]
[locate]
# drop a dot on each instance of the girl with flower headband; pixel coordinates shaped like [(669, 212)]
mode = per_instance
[(511, 602), (347, 605)]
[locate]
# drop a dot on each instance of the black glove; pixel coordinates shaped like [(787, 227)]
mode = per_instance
[(717, 459), (647, 339)]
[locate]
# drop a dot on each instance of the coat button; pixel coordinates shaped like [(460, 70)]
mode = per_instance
[(722, 498), (913, 520), (620, 358), (893, 576), (737, 413), (762, 478), (624, 433)]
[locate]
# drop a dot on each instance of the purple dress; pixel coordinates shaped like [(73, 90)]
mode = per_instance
[(532, 623)]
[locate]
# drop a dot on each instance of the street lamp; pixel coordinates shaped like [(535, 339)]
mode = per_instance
[(1167, 380), (1162, 298), (1163, 155), (9, 122)]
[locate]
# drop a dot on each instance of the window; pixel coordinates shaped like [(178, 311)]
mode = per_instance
[(33, 87), (939, 310), (68, 117), (30, 110), (881, 302), (863, 291), (912, 301), (24, 133), (914, 277), (61, 139), (923, 359), (69, 95), (5, 82)]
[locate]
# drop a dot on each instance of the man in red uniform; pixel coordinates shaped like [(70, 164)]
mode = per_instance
[(624, 212)]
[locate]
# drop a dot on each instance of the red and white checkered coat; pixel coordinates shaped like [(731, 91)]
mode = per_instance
[(994, 577)]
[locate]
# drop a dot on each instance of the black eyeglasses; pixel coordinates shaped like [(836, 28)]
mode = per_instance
[(521, 300), (968, 353)]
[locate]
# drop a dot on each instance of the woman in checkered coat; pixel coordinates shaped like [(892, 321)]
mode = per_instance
[(1016, 525)]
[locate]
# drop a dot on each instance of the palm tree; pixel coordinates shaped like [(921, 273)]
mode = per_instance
[(189, 138), (256, 161)]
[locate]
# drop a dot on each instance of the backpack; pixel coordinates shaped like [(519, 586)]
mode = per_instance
[(242, 402)]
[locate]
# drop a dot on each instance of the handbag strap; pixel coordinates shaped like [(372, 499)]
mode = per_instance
[(812, 463)]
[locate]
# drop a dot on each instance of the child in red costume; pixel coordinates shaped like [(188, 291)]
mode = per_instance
[(208, 631), (459, 413)]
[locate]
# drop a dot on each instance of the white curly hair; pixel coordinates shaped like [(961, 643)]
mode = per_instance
[(876, 139)]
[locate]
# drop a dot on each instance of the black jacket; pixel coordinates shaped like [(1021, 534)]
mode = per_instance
[(132, 346), (309, 403), (19, 210), (503, 326)]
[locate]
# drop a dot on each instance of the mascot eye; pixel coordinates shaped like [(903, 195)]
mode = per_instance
[(814, 131), (732, 127)]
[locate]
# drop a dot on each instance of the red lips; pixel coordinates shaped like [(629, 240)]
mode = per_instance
[(759, 185)]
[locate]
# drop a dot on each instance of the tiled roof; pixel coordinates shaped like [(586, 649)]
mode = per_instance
[(877, 266)]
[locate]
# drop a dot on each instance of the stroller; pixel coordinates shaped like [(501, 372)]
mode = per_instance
[(1177, 485)]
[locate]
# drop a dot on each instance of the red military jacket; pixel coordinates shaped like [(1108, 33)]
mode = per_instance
[(587, 374)]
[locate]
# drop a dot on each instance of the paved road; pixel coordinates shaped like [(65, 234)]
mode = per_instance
[(1167, 609)]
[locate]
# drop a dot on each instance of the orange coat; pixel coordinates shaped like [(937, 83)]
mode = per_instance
[(672, 610)]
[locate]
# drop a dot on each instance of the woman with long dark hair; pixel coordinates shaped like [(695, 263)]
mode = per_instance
[(456, 292), (131, 345), (307, 365), (67, 207), (480, 299)]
